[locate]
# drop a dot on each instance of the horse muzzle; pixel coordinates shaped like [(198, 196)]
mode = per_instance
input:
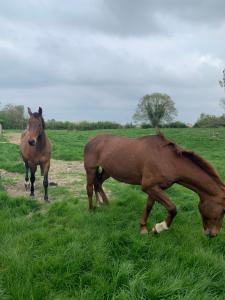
[(210, 233), (32, 142)]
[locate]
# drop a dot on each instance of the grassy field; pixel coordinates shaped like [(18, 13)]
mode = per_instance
[(61, 251)]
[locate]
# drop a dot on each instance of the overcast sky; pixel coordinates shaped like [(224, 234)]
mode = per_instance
[(94, 59)]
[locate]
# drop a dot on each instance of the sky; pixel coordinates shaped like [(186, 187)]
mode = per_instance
[(94, 59)]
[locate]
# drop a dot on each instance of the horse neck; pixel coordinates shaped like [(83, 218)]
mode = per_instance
[(195, 178)]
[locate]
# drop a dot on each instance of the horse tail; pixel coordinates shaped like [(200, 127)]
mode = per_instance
[(42, 170), (99, 173)]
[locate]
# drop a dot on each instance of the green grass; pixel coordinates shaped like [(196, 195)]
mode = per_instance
[(10, 158), (61, 251)]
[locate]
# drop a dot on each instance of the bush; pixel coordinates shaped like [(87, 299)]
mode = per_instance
[(207, 121), (177, 124), (129, 125), (146, 125), (84, 125)]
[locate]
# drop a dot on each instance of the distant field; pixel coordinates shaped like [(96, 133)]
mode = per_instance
[(61, 251)]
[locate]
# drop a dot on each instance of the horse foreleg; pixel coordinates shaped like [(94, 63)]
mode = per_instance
[(158, 195), (45, 184), (32, 180), (148, 207), (45, 181), (26, 184)]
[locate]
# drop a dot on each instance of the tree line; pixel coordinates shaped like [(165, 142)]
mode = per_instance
[(85, 125), (207, 120), (153, 110), (15, 117)]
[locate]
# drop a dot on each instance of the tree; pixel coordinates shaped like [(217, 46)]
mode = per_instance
[(222, 103), (156, 108), (13, 116), (222, 82), (210, 121)]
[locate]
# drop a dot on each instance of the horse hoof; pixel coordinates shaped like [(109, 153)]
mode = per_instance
[(31, 195), (27, 186), (159, 227), (46, 199), (154, 230), (144, 230)]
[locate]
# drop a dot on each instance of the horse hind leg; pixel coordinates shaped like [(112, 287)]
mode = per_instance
[(97, 195), (44, 172), (32, 180), (103, 195), (99, 191), (99, 179), (26, 183), (90, 172)]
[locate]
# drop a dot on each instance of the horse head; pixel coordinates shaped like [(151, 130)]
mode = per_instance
[(212, 211), (35, 126)]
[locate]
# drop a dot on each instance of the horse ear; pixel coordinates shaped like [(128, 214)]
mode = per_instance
[(29, 111), (40, 111)]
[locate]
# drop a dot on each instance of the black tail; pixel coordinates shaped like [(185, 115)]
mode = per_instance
[(99, 173)]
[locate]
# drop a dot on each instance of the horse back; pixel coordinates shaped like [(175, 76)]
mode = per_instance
[(126, 159), (117, 146)]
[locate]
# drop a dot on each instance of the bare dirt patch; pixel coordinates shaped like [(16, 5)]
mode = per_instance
[(66, 175), (13, 137)]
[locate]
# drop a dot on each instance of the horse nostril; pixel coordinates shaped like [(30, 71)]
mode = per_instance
[(31, 142), (210, 233)]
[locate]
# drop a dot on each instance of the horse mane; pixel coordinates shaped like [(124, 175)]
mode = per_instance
[(195, 158), (38, 116)]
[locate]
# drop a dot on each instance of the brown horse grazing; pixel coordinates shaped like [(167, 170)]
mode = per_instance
[(36, 150), (155, 163)]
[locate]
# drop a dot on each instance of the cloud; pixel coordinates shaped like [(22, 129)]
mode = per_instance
[(94, 59)]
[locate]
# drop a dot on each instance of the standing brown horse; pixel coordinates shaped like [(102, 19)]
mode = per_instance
[(36, 150), (155, 163)]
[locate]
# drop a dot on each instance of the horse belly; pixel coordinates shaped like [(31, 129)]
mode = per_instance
[(129, 180), (122, 165), (126, 175)]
